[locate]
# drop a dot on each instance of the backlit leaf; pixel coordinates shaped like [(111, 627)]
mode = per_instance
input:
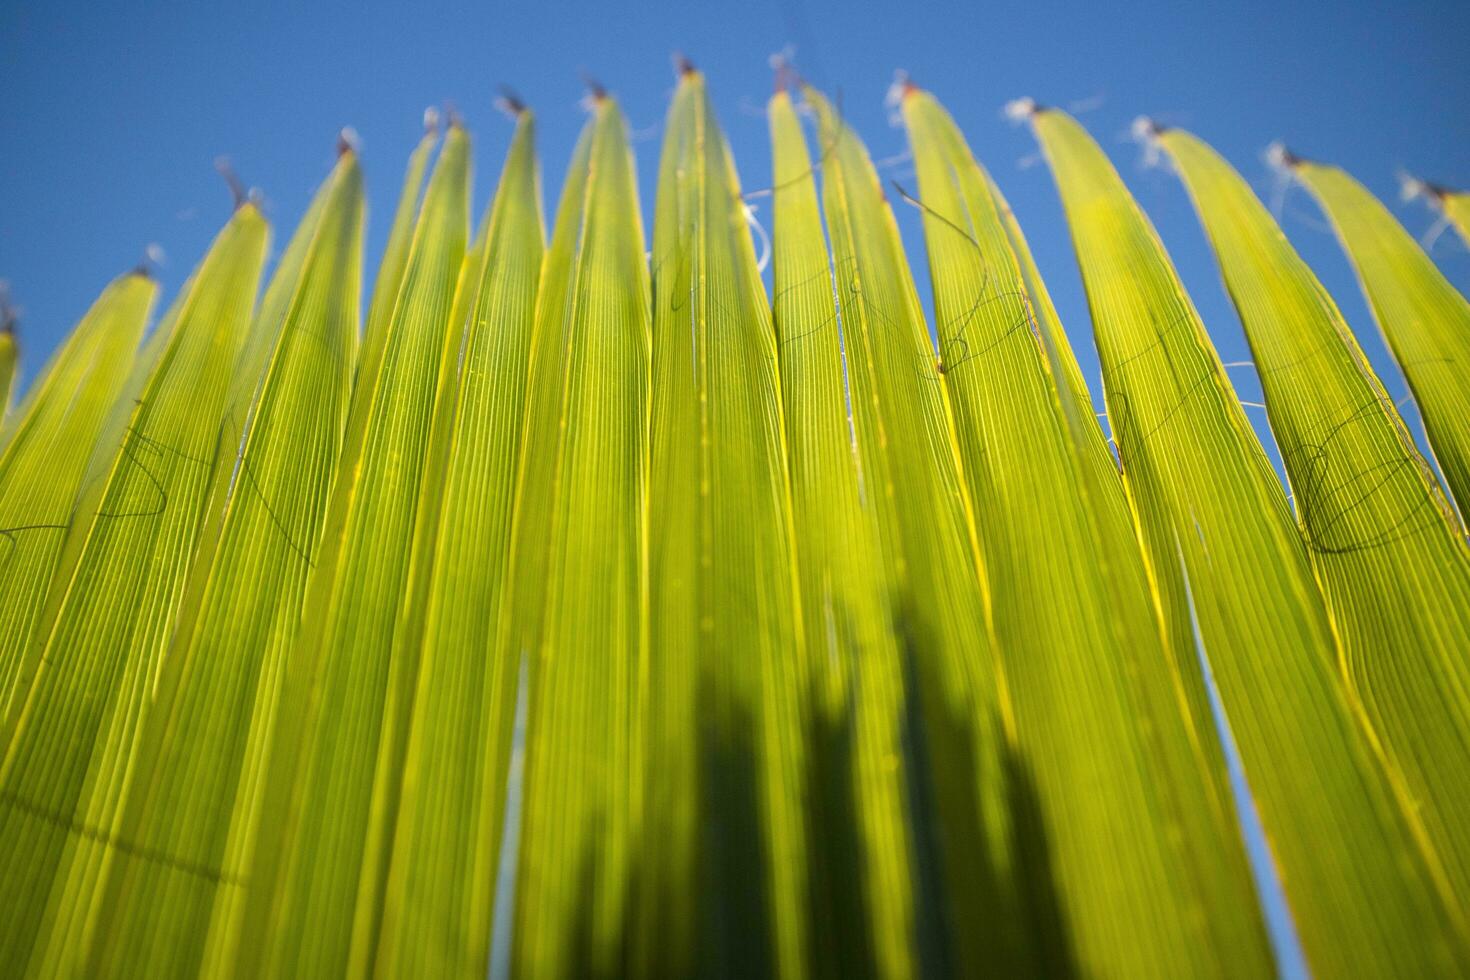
[(1425, 321), (1213, 512)]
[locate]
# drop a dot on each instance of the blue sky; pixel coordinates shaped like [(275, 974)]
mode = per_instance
[(113, 113)]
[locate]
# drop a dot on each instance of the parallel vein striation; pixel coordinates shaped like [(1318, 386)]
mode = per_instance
[(46, 450), (862, 852), (1126, 828), (1424, 319), (576, 625), (438, 904), (206, 743), (1211, 510), (101, 643), (957, 703), (329, 801), (1387, 549), (724, 744)]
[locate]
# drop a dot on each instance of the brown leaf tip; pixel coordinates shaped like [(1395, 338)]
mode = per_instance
[(348, 141), (510, 103), (1411, 187), (1147, 130), (787, 77), (226, 169), (152, 259), (899, 89), (9, 312), (1280, 158), (451, 112), (595, 89), (683, 67), (1022, 109)]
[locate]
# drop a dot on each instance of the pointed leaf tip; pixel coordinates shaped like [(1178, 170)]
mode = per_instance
[(683, 66), (509, 102), (1278, 157), (595, 89), (1019, 110), (347, 141), (238, 190), (1146, 130)]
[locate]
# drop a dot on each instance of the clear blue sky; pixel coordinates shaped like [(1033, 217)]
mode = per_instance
[(113, 113)]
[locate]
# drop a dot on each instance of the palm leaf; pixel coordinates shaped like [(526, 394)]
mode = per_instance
[(319, 856), (1456, 208), (862, 858), (577, 619), (204, 745), (906, 446), (1388, 552), (1425, 321), (9, 356), (1082, 674), (724, 746), (389, 279), (100, 643), (439, 898), (46, 453), (1196, 474)]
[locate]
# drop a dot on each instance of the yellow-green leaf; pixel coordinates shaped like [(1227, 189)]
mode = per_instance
[(205, 743), (576, 617), (1425, 321), (727, 884), (317, 865), (1456, 207), (861, 853), (438, 905), (1388, 552), (956, 706), (9, 356), (46, 454), (1094, 689), (395, 253), (1212, 511), (101, 642)]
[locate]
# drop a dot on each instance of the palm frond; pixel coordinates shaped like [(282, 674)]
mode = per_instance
[(46, 451), (862, 860), (1425, 321), (1386, 547), (98, 645), (438, 907), (1211, 511), (1082, 676), (576, 620), (726, 643), (344, 703)]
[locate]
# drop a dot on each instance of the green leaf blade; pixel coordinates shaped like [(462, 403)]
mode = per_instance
[(205, 743), (1195, 472), (1094, 689), (1425, 321), (577, 611), (1386, 546), (65, 765), (327, 803), (46, 453), (438, 905), (862, 856), (725, 625), (911, 471)]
